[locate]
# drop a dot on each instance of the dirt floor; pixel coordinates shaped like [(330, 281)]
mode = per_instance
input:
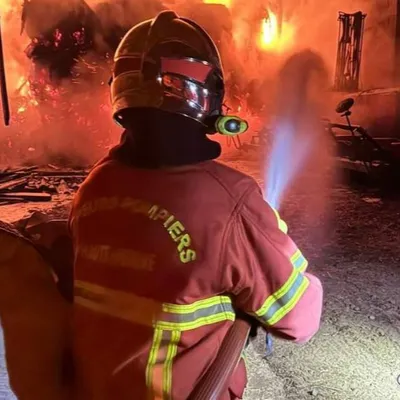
[(354, 247)]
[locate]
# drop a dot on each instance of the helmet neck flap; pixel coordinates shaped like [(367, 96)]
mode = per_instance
[(159, 139)]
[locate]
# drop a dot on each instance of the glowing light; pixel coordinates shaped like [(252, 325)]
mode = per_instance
[(7, 6), (274, 37), (286, 159), (269, 30), (226, 3)]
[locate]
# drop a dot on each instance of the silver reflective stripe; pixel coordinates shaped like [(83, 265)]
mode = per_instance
[(198, 314), (144, 311), (282, 302), (298, 261)]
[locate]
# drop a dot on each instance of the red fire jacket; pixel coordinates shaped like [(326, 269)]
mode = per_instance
[(161, 258)]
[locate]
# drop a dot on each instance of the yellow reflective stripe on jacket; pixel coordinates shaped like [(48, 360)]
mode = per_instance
[(144, 311), (281, 223), (283, 300), (159, 366), (152, 361), (195, 315), (298, 261), (172, 350), (168, 321)]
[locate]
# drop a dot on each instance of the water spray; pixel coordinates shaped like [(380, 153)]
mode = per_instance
[(293, 136), (286, 159)]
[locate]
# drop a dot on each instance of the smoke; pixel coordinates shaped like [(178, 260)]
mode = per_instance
[(317, 29), (297, 131), (70, 123), (79, 126)]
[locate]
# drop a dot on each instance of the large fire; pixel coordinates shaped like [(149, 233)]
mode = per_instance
[(274, 37), (38, 102), (269, 30)]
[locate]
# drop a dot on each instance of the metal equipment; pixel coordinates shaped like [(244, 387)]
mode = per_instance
[(357, 150), (348, 61), (260, 138)]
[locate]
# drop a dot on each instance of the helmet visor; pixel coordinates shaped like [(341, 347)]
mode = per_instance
[(187, 81)]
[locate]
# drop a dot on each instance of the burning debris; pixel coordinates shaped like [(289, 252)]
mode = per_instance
[(57, 48), (31, 184), (59, 45), (61, 84), (60, 97)]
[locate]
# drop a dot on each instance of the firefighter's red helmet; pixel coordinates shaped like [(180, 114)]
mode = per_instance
[(169, 63)]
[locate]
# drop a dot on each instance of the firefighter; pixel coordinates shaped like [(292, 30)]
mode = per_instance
[(34, 319), (167, 241)]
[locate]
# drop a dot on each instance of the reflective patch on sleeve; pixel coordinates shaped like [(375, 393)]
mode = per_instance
[(281, 223), (283, 300), (195, 315), (298, 261)]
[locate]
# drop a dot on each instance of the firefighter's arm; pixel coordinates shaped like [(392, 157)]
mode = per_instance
[(267, 273)]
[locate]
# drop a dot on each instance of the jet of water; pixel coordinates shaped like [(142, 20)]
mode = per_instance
[(287, 157), (294, 133)]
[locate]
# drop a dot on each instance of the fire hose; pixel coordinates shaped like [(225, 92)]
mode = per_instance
[(216, 380)]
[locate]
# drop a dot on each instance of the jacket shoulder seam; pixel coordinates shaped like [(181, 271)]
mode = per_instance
[(215, 177), (225, 234)]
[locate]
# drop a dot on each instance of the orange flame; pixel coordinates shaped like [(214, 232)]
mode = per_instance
[(269, 31), (275, 38), (226, 3), (9, 5)]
